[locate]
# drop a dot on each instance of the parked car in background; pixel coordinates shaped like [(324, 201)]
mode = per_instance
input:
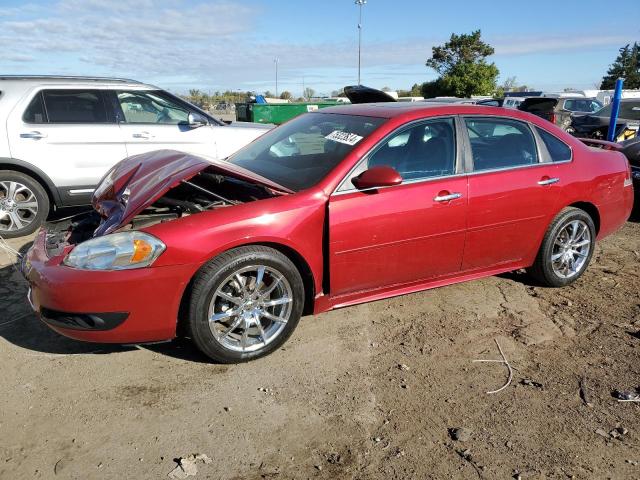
[(62, 134), (337, 207), (596, 125), (559, 110)]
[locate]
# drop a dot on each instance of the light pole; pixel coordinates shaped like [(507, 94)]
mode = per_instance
[(275, 60), (360, 4)]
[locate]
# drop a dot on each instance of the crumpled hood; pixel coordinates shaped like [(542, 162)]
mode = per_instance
[(137, 182)]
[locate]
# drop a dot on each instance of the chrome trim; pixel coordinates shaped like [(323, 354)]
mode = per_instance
[(407, 182), (549, 181), (502, 169), (447, 198), (81, 191)]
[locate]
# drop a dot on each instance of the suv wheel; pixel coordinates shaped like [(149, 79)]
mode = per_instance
[(245, 304), (24, 205)]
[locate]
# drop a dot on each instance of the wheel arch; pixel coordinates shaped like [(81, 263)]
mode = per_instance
[(292, 254), (37, 174), (591, 210)]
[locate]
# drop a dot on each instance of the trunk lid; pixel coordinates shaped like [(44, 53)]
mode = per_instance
[(137, 182)]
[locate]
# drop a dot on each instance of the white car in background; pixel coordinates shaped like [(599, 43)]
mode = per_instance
[(62, 134)]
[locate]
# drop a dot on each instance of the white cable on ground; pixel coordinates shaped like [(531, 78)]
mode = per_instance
[(503, 361)]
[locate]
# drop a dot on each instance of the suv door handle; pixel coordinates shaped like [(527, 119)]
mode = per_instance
[(447, 198), (548, 181), (34, 135), (143, 135)]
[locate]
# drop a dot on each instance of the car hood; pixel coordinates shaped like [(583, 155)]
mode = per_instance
[(361, 94), (137, 182)]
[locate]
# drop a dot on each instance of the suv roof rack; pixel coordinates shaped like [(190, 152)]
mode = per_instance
[(67, 77)]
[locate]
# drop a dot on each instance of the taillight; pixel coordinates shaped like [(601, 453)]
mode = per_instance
[(552, 117)]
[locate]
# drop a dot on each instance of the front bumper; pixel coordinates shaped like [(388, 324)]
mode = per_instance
[(127, 306)]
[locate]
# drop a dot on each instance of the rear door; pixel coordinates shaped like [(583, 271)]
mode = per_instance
[(405, 233), (70, 134), (152, 120), (513, 191)]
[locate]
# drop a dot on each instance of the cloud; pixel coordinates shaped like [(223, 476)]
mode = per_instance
[(213, 44)]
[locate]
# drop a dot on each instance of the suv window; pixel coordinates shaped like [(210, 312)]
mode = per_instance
[(500, 143), (35, 112), (558, 150), (151, 107), (74, 106), (580, 105), (426, 150)]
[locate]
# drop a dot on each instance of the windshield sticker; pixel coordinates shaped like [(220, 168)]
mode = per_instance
[(344, 137)]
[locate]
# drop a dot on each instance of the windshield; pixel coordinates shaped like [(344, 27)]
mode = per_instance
[(303, 151)]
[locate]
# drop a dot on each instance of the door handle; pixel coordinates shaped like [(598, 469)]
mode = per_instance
[(143, 135), (447, 198), (548, 181), (33, 135)]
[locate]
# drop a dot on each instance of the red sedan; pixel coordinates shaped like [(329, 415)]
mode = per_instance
[(338, 207)]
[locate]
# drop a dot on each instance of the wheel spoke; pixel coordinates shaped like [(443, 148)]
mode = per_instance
[(278, 301), (260, 329), (222, 315), (583, 243), (245, 337), (272, 317), (271, 288), (233, 326), (11, 190), (27, 205), (259, 279), (574, 230), (17, 221), (229, 298), (557, 256)]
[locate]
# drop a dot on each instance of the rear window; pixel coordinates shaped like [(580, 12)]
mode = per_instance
[(534, 105), (559, 151), (75, 106)]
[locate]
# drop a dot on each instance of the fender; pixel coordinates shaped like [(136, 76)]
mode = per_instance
[(36, 173)]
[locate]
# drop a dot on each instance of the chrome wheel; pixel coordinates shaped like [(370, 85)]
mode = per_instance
[(251, 308), (571, 249), (18, 206)]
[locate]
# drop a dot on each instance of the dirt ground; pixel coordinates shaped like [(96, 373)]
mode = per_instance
[(365, 392)]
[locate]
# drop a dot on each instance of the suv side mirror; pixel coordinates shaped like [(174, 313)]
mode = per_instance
[(375, 177), (196, 120)]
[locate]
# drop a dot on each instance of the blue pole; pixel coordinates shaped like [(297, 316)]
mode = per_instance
[(615, 109)]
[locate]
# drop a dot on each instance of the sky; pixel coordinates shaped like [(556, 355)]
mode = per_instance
[(231, 44)]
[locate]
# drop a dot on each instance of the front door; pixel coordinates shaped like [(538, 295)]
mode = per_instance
[(405, 233), (512, 193), (154, 120)]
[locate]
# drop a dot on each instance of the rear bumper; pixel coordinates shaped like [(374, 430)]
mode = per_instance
[(130, 306)]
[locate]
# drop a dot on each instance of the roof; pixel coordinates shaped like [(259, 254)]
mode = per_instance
[(417, 109), (25, 80)]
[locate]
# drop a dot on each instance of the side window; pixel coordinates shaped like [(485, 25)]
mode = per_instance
[(558, 150), (151, 107), (500, 143), (35, 111), (424, 151), (75, 106), (570, 105)]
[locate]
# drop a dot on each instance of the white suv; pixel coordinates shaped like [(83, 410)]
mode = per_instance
[(64, 133)]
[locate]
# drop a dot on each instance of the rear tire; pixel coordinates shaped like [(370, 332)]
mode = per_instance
[(244, 304), (24, 204), (566, 249)]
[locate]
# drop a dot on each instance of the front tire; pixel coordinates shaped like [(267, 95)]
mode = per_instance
[(566, 250), (24, 204), (245, 304)]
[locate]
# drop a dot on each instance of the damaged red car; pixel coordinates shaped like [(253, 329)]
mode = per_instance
[(346, 205)]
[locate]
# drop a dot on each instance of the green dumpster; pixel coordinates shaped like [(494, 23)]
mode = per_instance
[(276, 112)]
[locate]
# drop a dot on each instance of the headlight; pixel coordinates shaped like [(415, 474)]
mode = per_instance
[(117, 251)]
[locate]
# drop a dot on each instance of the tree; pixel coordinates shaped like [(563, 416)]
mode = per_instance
[(286, 95), (268, 94), (627, 66), (462, 66), (308, 93)]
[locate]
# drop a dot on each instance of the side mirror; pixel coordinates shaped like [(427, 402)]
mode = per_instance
[(375, 177), (196, 120)]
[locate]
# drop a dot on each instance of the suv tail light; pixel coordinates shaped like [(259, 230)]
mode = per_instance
[(552, 117)]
